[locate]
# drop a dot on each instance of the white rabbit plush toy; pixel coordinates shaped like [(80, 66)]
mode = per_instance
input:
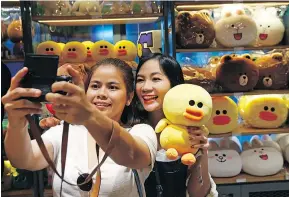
[(235, 29), (225, 160), (270, 28), (261, 158), (283, 141)]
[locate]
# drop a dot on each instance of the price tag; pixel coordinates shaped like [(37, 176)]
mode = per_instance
[(244, 180)]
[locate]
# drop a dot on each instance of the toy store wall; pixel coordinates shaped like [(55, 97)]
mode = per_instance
[(237, 50)]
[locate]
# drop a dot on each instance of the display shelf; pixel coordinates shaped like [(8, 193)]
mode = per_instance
[(25, 193), (232, 49), (198, 5), (243, 130), (12, 60), (246, 178), (97, 20), (10, 3), (254, 92)]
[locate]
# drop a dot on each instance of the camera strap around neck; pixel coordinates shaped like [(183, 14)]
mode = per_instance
[(36, 132)]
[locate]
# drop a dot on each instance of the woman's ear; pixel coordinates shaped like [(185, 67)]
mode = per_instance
[(130, 97)]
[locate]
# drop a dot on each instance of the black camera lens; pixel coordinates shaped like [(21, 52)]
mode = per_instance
[(86, 187)]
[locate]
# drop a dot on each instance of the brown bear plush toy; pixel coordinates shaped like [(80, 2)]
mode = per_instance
[(273, 72), (237, 74), (194, 30)]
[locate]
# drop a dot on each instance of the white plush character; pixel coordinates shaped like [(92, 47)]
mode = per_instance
[(283, 141), (236, 29), (270, 28), (80, 8), (225, 160), (261, 158)]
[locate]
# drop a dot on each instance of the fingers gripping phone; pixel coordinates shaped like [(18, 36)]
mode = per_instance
[(42, 73)]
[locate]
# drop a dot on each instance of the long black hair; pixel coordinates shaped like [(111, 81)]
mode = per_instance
[(171, 69), (127, 114)]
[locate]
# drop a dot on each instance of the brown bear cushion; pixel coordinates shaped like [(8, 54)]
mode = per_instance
[(273, 72), (194, 30), (199, 76), (237, 74)]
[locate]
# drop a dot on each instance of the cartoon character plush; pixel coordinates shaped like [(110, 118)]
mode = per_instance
[(14, 31), (49, 48), (127, 51), (260, 158), (102, 49), (236, 29), (184, 105), (263, 111), (194, 29), (270, 28), (273, 72), (237, 74), (283, 141), (81, 8), (224, 118), (117, 7), (199, 76), (74, 52), (55, 8), (8, 173), (225, 160)]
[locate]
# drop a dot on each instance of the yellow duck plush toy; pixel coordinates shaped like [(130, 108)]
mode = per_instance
[(126, 51), (224, 117), (74, 52), (49, 48), (184, 105), (263, 111), (102, 49)]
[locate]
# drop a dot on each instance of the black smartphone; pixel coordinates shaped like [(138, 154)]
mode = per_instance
[(42, 73)]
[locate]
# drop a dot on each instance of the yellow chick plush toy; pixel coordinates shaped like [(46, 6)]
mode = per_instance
[(89, 60), (127, 51), (102, 49), (263, 111), (49, 48), (74, 52), (61, 45), (184, 105), (224, 117)]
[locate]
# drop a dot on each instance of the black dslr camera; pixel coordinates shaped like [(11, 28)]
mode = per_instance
[(42, 73)]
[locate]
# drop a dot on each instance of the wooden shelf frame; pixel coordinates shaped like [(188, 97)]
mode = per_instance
[(233, 49), (97, 20), (246, 178), (243, 130)]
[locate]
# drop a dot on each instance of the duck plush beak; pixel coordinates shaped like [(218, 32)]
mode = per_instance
[(193, 114)]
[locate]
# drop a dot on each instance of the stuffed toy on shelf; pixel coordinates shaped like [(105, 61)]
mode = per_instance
[(224, 159), (283, 141), (224, 118), (236, 29), (49, 48), (81, 8), (270, 28), (102, 49), (194, 29), (263, 111), (89, 59), (237, 74), (184, 105), (55, 8), (74, 52), (261, 157), (126, 51), (273, 72)]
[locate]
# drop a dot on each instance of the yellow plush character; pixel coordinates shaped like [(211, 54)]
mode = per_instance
[(74, 52), (102, 49), (49, 48), (224, 117), (61, 45), (127, 51), (184, 105), (88, 45), (263, 111)]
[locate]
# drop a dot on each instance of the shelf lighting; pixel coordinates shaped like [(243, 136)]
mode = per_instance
[(84, 22)]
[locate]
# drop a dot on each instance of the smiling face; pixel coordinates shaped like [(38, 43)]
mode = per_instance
[(151, 85), (107, 91), (188, 105), (49, 48), (224, 115), (236, 29)]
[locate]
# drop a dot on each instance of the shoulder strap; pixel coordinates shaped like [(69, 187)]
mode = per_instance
[(138, 183), (159, 187), (36, 132)]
